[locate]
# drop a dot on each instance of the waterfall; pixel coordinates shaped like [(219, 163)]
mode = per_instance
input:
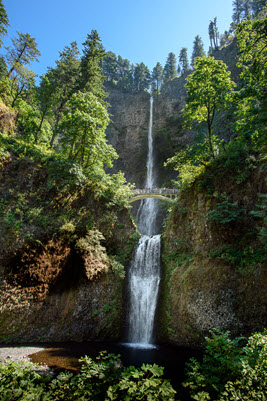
[(144, 272), (147, 212)]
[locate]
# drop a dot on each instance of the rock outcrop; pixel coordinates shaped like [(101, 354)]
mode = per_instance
[(214, 272)]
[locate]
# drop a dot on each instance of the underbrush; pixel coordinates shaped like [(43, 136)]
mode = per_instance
[(231, 370)]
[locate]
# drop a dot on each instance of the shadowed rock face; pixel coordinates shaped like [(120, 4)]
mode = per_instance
[(46, 293)]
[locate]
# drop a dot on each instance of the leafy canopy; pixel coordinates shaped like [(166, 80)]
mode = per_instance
[(83, 131), (209, 88)]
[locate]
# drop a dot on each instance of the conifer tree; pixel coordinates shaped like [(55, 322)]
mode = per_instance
[(246, 9), (91, 73), (170, 69), (141, 77), (67, 77), (157, 78), (237, 11), (183, 60), (109, 66), (4, 22), (23, 52), (214, 34), (257, 6), (198, 49)]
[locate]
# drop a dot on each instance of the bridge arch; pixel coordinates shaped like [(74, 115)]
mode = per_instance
[(156, 193)]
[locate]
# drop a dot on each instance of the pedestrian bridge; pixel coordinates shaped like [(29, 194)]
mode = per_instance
[(167, 194)]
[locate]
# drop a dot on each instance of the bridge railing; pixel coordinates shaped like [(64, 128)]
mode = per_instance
[(161, 191)]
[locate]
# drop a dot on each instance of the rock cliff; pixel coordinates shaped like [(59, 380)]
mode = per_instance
[(62, 251), (214, 272)]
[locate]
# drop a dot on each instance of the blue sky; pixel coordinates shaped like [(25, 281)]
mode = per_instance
[(141, 30)]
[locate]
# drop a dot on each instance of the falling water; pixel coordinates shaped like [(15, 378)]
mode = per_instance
[(144, 273), (147, 212)]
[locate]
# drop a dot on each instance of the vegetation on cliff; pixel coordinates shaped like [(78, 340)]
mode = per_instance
[(214, 244)]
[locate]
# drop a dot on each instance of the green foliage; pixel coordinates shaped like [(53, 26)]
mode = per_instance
[(142, 384), (4, 22), (65, 174), (157, 78), (261, 213), (243, 258), (183, 60), (198, 49), (228, 371), (170, 68), (24, 51), (226, 212), (141, 77), (251, 111), (91, 79), (209, 88), (101, 380), (191, 162), (117, 267), (19, 381), (83, 132)]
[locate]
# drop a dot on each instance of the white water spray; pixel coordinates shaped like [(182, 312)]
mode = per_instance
[(144, 274)]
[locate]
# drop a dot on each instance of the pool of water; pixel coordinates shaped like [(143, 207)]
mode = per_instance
[(61, 356)]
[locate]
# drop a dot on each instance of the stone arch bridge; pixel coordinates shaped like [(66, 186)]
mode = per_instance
[(167, 194)]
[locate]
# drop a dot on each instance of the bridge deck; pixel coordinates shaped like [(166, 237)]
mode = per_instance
[(157, 193)]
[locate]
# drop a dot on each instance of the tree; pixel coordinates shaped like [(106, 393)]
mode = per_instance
[(209, 88), (125, 74), (252, 45), (23, 81), (4, 22), (141, 77), (24, 51), (214, 34), (83, 132), (64, 78), (246, 9), (92, 77), (183, 60), (47, 94), (109, 66), (170, 69), (257, 6), (237, 11), (198, 49), (157, 78)]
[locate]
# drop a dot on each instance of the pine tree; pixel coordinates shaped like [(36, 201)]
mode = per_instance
[(141, 77), (4, 22), (157, 78), (237, 11), (257, 6), (214, 34), (67, 77), (198, 49), (24, 51), (109, 66), (183, 60), (246, 9), (170, 69), (91, 73), (125, 74)]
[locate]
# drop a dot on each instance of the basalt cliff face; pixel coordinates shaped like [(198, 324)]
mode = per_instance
[(59, 276), (214, 271), (128, 130)]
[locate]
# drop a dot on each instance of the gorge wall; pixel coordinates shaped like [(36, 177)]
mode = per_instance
[(214, 271), (60, 279)]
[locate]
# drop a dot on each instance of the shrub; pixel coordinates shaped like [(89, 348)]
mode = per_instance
[(229, 371), (102, 380)]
